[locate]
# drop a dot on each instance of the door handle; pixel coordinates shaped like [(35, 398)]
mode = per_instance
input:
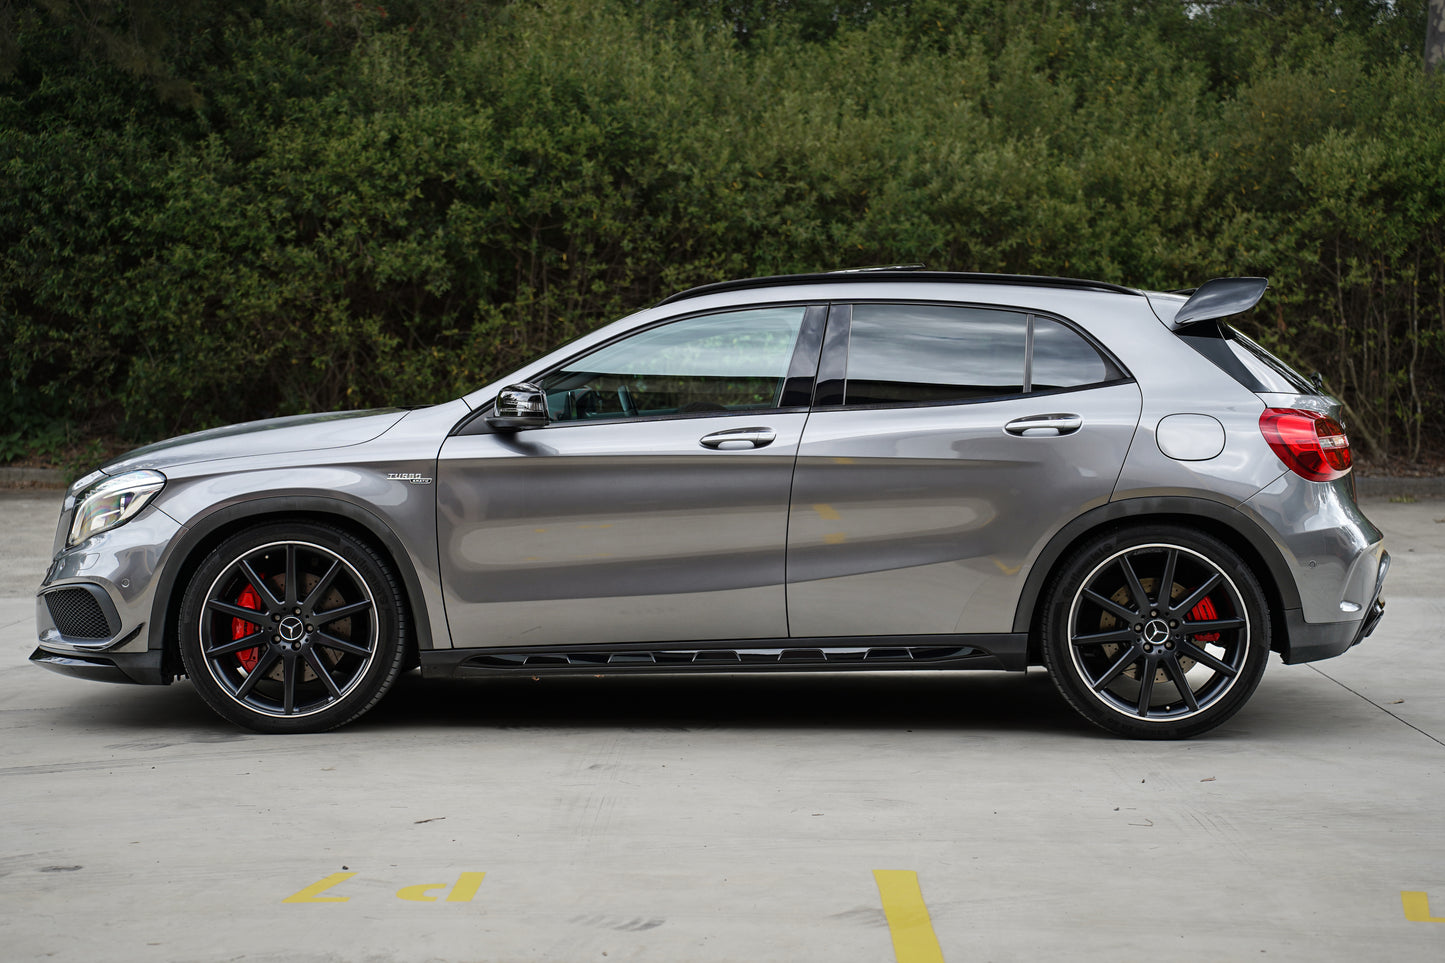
[(1044, 426), (738, 438)]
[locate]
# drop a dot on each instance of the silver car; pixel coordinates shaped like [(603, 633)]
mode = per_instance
[(898, 469)]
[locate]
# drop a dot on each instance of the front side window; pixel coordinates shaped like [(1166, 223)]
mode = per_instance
[(735, 361)]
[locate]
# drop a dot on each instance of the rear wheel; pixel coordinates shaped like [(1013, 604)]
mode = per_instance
[(292, 627), (1156, 633)]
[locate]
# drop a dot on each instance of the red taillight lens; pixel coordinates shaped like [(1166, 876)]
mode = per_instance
[(1310, 444)]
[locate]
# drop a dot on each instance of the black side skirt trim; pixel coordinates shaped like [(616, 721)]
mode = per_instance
[(868, 653)]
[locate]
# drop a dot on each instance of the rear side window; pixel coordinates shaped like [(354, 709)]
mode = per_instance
[(929, 353), (922, 354), (1242, 359), (1063, 359), (1269, 370)]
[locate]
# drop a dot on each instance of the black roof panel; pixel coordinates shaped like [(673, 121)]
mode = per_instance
[(870, 276)]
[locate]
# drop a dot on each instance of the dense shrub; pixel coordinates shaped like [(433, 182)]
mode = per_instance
[(258, 208)]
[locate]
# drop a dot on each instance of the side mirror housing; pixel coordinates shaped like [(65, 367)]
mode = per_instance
[(519, 406)]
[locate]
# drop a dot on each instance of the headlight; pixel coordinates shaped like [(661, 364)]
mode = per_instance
[(112, 502)]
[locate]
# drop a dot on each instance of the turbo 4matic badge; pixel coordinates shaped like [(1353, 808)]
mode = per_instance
[(414, 478)]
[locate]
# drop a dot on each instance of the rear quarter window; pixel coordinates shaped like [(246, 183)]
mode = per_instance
[(1246, 361)]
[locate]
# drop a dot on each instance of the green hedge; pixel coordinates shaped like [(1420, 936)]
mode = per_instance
[(268, 207)]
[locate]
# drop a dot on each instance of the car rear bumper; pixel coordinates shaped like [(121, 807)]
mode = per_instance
[(1310, 642)]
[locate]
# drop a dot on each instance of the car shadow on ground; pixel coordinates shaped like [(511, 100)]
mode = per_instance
[(994, 702), (937, 700), (966, 701)]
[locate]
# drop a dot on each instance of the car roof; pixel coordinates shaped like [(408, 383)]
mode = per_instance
[(901, 275)]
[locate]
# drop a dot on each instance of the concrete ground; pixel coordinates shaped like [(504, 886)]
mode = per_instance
[(731, 818)]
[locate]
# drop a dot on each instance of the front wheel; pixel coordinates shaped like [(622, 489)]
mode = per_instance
[(1156, 633), (292, 627)]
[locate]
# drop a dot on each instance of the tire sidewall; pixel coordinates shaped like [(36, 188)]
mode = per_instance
[(1058, 610), (389, 613)]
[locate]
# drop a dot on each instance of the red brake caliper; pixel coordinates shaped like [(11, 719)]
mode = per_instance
[(240, 628), (1204, 612)]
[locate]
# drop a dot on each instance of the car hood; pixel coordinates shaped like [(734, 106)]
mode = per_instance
[(273, 436)]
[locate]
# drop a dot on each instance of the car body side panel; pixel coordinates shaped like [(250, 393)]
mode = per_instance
[(1124, 511), (351, 483), (123, 562), (616, 532), (924, 519), (1333, 551)]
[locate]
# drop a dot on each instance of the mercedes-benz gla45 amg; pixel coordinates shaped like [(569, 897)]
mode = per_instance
[(852, 471)]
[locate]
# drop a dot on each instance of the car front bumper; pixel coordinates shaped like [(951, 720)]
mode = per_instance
[(94, 613)]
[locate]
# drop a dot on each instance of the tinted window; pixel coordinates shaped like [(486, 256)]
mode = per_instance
[(720, 362), (900, 353), (1063, 359), (1270, 373)]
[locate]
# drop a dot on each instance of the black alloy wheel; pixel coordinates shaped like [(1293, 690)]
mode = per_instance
[(1156, 633), (293, 627)]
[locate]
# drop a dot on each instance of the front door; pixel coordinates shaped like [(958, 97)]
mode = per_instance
[(653, 507)]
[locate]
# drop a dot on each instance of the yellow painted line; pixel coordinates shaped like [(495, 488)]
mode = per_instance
[(827, 512), (312, 893), (1417, 908), (908, 922), (466, 888), (835, 538)]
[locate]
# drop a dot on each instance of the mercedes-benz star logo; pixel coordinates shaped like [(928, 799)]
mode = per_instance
[(291, 629), (1156, 632)]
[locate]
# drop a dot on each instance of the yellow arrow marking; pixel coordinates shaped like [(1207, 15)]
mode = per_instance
[(466, 888), (908, 922), (311, 893), (1417, 908)]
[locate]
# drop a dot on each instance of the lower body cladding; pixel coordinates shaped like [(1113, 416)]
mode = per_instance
[(997, 652)]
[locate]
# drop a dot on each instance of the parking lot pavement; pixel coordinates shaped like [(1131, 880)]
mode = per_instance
[(737, 818)]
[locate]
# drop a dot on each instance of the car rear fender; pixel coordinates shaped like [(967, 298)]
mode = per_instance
[(1233, 526)]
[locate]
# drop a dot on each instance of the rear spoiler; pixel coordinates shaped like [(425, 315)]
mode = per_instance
[(1219, 298)]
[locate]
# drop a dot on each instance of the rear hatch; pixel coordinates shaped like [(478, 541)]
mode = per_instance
[(1302, 424)]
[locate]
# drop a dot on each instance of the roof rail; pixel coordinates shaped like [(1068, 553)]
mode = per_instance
[(901, 273)]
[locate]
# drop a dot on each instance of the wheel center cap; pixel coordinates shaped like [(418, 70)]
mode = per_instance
[(1156, 631), (291, 629)]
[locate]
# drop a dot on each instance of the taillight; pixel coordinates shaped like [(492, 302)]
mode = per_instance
[(1310, 444)]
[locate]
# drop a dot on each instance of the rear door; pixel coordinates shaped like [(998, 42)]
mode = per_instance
[(946, 444)]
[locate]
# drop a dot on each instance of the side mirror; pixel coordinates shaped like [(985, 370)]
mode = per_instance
[(519, 406)]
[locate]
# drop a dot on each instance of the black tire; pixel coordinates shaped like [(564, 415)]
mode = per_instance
[(1149, 664), (327, 638)]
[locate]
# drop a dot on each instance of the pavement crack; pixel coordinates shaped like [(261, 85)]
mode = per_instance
[(1378, 706)]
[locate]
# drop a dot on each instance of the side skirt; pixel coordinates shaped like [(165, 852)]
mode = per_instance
[(871, 653)]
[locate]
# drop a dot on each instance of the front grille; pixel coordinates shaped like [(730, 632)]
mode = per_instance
[(78, 615)]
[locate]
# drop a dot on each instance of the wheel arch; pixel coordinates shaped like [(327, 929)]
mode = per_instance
[(205, 534), (1229, 525)]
